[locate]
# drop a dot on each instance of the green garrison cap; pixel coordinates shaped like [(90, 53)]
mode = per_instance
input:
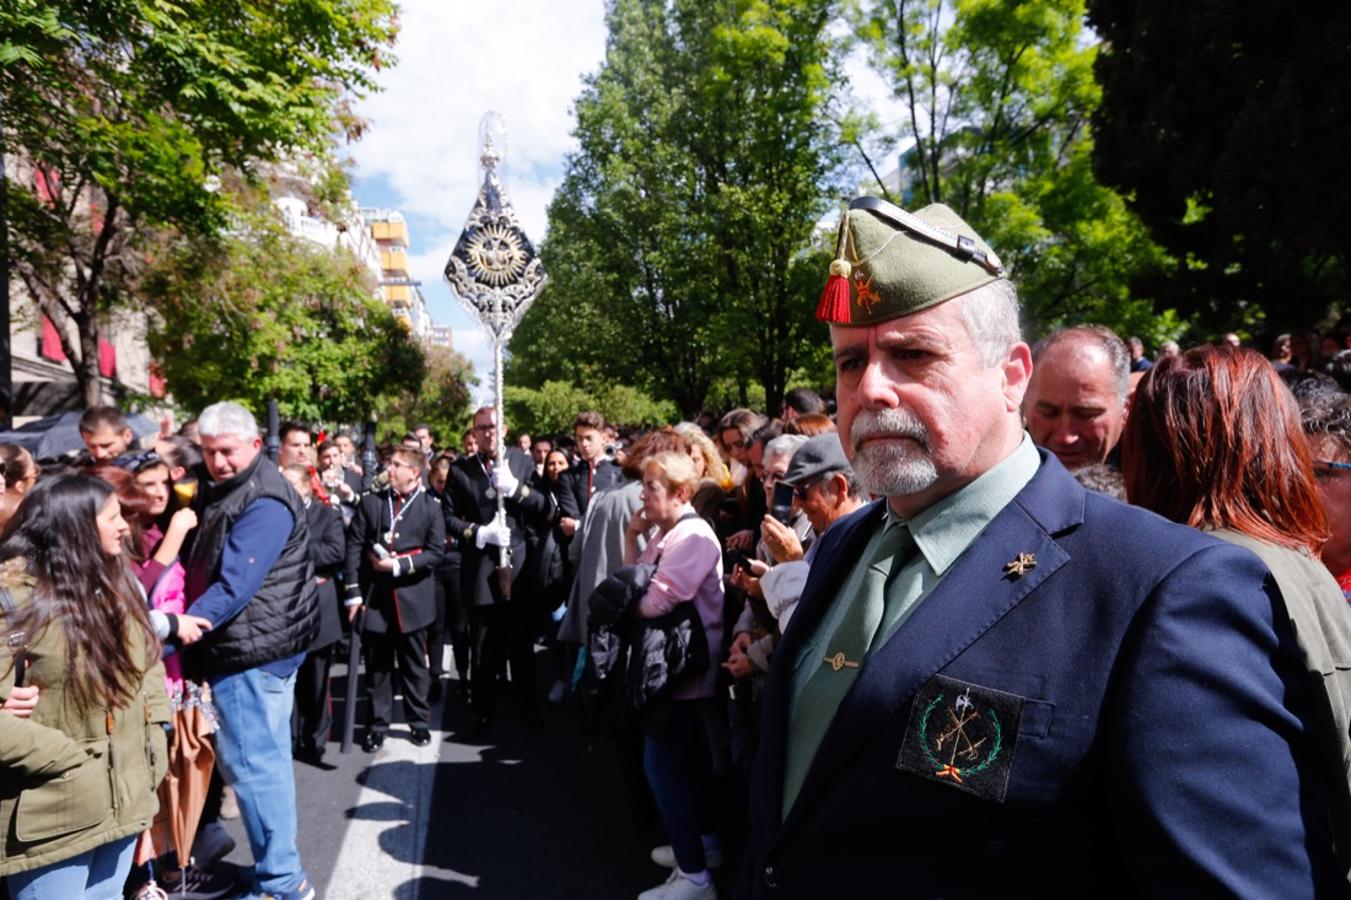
[(891, 263)]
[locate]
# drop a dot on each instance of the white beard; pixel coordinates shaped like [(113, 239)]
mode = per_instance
[(893, 468)]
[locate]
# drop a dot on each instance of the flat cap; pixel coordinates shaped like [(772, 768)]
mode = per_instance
[(819, 456), (892, 263)]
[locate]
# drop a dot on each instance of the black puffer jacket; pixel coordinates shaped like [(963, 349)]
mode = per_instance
[(637, 659)]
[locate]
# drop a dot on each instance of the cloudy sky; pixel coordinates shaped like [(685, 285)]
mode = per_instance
[(524, 59)]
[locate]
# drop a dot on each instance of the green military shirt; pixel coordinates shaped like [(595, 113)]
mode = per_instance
[(941, 533)]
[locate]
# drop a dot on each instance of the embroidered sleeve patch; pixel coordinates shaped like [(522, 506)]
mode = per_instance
[(962, 735)]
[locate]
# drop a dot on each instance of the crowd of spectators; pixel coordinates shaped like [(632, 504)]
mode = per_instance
[(252, 573)]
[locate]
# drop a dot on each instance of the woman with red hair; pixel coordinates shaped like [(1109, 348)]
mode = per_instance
[(1213, 440)]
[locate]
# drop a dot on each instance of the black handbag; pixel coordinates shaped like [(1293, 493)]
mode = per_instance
[(652, 654)]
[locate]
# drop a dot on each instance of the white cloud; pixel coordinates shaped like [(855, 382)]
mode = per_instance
[(458, 60), (525, 60)]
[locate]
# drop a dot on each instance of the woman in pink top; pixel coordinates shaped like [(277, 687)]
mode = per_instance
[(677, 758)]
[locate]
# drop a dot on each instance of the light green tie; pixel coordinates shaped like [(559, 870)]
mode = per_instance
[(843, 657)]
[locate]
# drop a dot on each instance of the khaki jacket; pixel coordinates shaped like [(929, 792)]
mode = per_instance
[(1322, 624), (72, 782)]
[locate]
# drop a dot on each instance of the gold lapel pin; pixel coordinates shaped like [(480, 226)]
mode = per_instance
[(1019, 567), (839, 661)]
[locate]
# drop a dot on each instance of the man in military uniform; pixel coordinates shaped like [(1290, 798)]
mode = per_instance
[(997, 683), (394, 544)]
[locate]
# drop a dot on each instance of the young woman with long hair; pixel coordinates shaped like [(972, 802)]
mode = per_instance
[(1214, 441), (78, 778)]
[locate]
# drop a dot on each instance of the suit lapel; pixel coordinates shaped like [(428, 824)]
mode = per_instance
[(974, 595)]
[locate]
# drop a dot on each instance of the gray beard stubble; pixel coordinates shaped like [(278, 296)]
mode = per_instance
[(892, 469)]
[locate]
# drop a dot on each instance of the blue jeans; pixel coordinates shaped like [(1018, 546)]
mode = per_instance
[(96, 874), (253, 750), (679, 767)]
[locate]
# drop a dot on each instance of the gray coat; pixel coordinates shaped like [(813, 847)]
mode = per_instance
[(601, 542)]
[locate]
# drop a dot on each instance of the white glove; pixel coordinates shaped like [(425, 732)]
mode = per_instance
[(505, 482), (498, 533)]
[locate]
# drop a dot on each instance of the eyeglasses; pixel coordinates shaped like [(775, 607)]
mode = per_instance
[(800, 490), (1324, 469)]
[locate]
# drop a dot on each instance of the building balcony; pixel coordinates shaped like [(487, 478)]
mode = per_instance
[(390, 232)]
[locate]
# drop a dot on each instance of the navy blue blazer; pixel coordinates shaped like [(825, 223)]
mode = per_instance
[(1123, 717)]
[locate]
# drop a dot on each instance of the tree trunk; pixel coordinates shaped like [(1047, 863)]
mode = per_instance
[(87, 375), (83, 352)]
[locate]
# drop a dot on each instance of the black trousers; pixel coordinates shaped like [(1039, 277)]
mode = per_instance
[(436, 632), (382, 651), (503, 633), (457, 621), (312, 716)]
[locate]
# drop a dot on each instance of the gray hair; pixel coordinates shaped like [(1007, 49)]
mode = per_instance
[(227, 418), (1095, 335), (784, 445), (1327, 415), (990, 314)]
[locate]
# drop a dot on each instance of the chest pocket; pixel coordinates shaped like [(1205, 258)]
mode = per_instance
[(72, 801)]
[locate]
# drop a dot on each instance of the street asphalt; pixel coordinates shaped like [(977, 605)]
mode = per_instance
[(515, 815)]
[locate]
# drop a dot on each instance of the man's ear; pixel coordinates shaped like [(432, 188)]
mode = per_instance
[(1017, 373)]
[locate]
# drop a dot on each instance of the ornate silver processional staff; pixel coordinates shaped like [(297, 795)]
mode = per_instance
[(496, 273)]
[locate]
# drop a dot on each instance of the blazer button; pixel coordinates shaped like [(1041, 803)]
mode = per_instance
[(771, 877)]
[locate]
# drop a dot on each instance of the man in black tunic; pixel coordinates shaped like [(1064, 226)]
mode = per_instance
[(394, 544)]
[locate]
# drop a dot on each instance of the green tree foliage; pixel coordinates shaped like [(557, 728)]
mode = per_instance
[(442, 400), (676, 242), (1228, 126), (118, 112), (550, 408), (998, 97), (258, 314)]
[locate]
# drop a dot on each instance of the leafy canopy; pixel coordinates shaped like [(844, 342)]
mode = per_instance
[(120, 112), (676, 240), (998, 98), (259, 314)]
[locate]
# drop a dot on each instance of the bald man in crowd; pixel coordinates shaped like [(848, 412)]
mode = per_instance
[(1076, 401)]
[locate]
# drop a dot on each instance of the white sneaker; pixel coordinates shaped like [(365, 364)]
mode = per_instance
[(665, 856), (556, 692), (678, 887)]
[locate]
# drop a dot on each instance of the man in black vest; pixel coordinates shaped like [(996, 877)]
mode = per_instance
[(250, 573), (394, 544), (501, 625)]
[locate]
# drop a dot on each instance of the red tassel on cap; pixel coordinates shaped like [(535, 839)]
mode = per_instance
[(834, 305)]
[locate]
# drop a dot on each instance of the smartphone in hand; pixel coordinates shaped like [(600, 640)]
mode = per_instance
[(781, 506)]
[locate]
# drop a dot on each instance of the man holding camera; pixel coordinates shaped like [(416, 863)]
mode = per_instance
[(394, 544)]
